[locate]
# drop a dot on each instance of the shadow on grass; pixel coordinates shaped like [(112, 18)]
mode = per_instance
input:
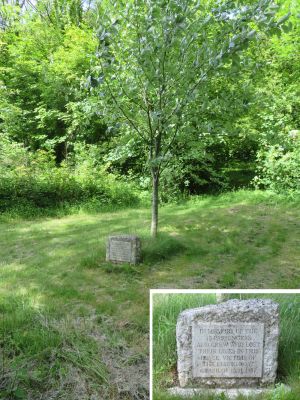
[(162, 248), (154, 250), (244, 197), (26, 210)]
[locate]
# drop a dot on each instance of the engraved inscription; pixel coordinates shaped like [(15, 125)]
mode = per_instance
[(227, 350), (120, 250)]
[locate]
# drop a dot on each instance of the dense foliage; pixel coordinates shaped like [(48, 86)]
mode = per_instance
[(56, 57), (32, 181)]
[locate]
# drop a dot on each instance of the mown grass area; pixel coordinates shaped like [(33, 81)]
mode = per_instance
[(75, 326), (166, 309)]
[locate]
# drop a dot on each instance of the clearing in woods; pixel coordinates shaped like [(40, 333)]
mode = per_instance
[(76, 325)]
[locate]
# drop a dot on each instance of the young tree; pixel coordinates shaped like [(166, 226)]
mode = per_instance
[(155, 57)]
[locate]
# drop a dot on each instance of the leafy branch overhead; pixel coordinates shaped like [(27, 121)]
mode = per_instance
[(153, 58), (174, 93)]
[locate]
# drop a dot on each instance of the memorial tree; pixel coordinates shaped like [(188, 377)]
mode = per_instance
[(155, 58)]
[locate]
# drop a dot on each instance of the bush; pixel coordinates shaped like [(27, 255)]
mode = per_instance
[(34, 182), (279, 166)]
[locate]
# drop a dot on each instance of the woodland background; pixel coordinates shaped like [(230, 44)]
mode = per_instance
[(59, 148), (73, 171)]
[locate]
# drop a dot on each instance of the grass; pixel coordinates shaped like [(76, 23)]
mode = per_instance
[(279, 393), (167, 307), (75, 326)]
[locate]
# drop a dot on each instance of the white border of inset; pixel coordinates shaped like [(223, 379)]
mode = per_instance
[(200, 291)]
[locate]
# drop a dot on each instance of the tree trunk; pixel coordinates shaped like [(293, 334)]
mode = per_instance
[(154, 221)]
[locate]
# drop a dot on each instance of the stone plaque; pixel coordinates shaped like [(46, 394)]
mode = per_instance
[(233, 344), (120, 250), (123, 248), (227, 349)]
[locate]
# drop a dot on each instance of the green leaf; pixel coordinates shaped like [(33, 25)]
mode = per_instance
[(284, 18), (287, 28)]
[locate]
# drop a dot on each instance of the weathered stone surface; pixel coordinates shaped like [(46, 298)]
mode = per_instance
[(123, 248), (227, 350), (230, 345), (230, 393)]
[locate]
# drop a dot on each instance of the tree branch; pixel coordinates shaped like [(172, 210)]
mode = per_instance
[(120, 107)]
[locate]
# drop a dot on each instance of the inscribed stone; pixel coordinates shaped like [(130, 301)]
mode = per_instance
[(123, 248), (227, 349), (120, 250), (233, 344)]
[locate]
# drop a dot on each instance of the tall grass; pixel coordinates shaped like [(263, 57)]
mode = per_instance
[(39, 350), (167, 307)]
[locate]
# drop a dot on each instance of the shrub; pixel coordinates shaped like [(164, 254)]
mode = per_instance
[(279, 166), (34, 182)]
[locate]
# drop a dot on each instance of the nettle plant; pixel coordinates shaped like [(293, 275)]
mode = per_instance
[(155, 58)]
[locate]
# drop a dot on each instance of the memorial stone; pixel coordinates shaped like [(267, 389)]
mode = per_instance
[(123, 248), (229, 345)]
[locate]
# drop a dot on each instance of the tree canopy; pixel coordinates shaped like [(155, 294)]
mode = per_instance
[(192, 96)]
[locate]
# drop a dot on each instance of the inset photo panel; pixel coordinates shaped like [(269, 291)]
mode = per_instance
[(223, 345)]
